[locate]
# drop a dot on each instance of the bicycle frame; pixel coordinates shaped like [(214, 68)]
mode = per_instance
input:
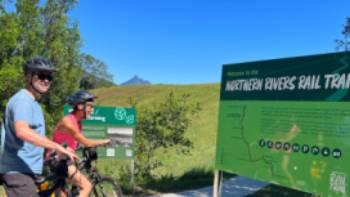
[(85, 165), (95, 177)]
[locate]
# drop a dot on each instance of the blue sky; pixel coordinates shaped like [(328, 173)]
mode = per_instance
[(187, 41)]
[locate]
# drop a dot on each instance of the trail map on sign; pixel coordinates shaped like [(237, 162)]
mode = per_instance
[(287, 121)]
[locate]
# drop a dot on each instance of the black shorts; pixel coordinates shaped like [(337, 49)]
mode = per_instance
[(19, 185)]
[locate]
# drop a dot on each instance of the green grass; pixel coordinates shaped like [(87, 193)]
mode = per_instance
[(179, 172), (195, 178), (202, 130)]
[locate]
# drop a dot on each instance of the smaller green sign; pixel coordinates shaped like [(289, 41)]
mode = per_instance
[(115, 123)]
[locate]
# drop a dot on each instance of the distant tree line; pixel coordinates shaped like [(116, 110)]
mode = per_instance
[(30, 28), (95, 73)]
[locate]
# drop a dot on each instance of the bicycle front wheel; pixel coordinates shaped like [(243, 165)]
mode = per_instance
[(107, 187)]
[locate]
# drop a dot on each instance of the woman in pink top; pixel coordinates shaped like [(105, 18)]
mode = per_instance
[(68, 130)]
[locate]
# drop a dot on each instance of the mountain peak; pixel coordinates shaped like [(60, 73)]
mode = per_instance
[(135, 80), (135, 77)]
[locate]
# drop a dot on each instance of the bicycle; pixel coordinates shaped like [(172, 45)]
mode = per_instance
[(102, 185)]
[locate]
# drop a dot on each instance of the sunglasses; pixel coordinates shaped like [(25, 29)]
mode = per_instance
[(44, 76)]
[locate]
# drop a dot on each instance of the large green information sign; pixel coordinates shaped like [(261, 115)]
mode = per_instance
[(115, 123), (287, 121)]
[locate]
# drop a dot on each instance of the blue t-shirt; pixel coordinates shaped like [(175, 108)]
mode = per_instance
[(18, 155)]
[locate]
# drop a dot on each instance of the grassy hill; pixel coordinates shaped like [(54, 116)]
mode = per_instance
[(202, 131)]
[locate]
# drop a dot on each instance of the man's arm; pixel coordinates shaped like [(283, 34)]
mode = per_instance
[(25, 133)]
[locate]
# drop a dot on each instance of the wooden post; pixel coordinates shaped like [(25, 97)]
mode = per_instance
[(132, 168), (218, 175)]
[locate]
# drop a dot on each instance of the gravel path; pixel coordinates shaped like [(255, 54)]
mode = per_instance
[(238, 186)]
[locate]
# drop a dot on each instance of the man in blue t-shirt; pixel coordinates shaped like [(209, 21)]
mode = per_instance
[(23, 131)]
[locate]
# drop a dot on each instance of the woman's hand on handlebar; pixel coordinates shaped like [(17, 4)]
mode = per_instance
[(107, 142)]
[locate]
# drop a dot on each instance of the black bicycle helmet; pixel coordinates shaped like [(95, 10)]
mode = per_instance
[(80, 97), (38, 64)]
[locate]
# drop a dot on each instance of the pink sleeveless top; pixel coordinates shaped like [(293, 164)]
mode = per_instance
[(63, 136)]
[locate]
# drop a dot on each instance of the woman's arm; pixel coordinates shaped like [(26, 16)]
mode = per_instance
[(67, 125)]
